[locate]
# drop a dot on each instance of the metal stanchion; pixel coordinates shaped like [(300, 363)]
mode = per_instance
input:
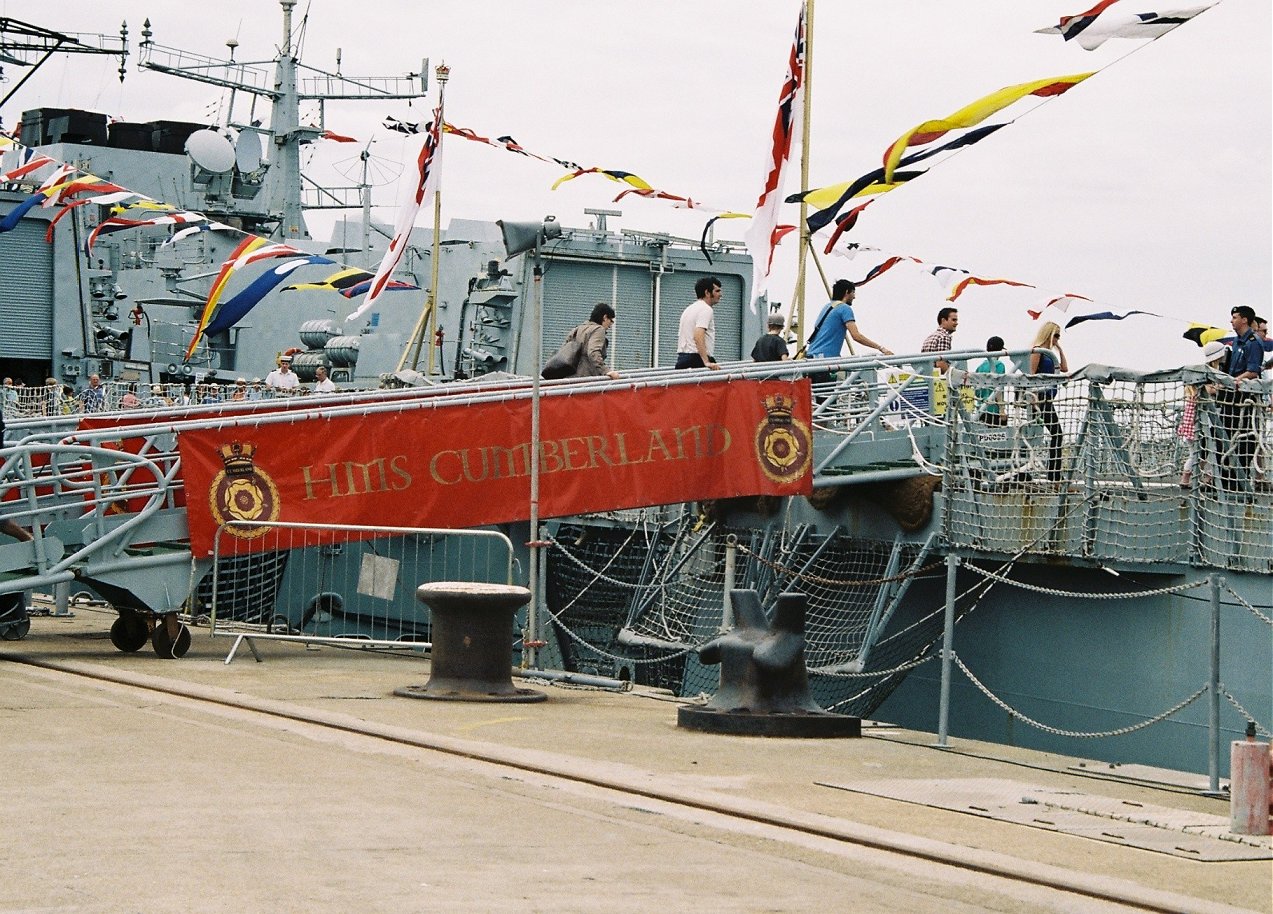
[(947, 653), (1213, 713)]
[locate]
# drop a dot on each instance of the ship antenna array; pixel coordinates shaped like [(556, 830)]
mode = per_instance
[(25, 45), (286, 83)]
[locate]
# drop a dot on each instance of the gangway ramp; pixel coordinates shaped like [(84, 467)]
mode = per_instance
[(115, 490)]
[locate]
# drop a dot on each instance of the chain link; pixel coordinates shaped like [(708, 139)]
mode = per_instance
[(1260, 728), (1161, 591), (599, 576), (1056, 731), (1237, 596), (905, 667), (583, 642)]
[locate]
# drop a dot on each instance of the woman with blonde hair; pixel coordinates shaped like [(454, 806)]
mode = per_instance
[(1049, 358)]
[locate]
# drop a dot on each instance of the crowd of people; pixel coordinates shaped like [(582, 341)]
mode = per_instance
[(53, 398), (1246, 355)]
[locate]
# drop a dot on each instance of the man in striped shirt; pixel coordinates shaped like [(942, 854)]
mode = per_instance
[(940, 339)]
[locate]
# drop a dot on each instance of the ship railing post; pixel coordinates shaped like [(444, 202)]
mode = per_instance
[(947, 653), (1213, 713), (731, 564), (539, 601)]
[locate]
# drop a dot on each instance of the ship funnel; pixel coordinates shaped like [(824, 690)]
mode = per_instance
[(520, 237)]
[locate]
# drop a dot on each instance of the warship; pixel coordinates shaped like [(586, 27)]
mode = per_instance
[(953, 585)]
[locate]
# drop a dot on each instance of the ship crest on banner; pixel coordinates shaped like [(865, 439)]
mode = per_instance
[(241, 491), (784, 446)]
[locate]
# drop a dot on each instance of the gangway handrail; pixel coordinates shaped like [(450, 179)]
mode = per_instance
[(440, 396), (107, 535)]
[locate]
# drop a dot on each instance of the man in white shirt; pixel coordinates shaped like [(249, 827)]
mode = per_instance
[(696, 334), (322, 383), (282, 378)]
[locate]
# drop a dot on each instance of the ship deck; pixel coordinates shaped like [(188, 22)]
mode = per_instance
[(301, 783)]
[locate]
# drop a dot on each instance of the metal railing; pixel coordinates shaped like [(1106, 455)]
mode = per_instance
[(346, 584)]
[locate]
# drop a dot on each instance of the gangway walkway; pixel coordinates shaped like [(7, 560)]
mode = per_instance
[(104, 494)]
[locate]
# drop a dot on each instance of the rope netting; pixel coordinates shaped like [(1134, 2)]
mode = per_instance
[(641, 599), (1171, 468)]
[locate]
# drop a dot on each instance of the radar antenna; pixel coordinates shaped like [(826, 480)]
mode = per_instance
[(290, 83)]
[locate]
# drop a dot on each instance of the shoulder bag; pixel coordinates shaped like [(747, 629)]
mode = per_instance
[(562, 363)]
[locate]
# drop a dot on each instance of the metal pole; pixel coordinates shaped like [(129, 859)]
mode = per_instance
[(443, 73), (537, 298), (1213, 714), (731, 561), (539, 600), (947, 652)]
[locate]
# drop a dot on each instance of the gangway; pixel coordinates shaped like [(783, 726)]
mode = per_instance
[(105, 495)]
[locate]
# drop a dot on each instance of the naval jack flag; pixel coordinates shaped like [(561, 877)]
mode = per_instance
[(762, 236), (423, 186)]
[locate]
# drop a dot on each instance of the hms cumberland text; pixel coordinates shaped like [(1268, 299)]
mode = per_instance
[(493, 462)]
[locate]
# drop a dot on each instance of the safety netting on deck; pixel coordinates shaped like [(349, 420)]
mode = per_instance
[(636, 602), (1109, 465)]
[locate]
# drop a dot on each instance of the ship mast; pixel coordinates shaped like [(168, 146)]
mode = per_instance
[(291, 83), (25, 45), (285, 121)]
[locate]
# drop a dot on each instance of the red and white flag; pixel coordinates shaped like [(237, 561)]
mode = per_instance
[(425, 183), (762, 236)]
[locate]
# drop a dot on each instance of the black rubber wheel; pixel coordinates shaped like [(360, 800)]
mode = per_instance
[(128, 632), (14, 631), (160, 641), (166, 647), (14, 622), (182, 644)]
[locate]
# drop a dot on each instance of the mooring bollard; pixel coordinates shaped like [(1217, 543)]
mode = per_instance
[(1249, 785), (472, 634), (764, 686)]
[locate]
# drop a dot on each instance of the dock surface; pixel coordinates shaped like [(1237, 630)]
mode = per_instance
[(301, 783)]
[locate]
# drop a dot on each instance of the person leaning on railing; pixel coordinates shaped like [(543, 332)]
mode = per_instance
[(835, 323), (1237, 408), (1049, 358), (1215, 354)]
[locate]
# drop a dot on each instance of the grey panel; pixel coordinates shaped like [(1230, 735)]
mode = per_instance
[(26, 293), (572, 288), (631, 338), (678, 292)]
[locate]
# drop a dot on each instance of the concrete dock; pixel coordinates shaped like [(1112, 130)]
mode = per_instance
[(301, 783)]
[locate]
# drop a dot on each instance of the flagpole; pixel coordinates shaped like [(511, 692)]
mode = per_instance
[(798, 305), (424, 326), (443, 73)]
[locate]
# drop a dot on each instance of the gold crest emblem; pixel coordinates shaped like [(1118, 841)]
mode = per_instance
[(242, 492), (783, 443)]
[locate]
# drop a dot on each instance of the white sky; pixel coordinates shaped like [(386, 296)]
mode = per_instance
[(1146, 187)]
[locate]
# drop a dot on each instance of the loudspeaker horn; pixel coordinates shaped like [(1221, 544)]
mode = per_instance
[(520, 237)]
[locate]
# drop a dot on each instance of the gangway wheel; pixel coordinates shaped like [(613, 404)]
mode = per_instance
[(14, 631), (129, 632), (171, 639), (14, 622)]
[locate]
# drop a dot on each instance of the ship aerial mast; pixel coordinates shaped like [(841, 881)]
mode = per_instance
[(291, 83), (26, 45)]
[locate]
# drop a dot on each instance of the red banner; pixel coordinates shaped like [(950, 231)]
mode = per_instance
[(466, 465)]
